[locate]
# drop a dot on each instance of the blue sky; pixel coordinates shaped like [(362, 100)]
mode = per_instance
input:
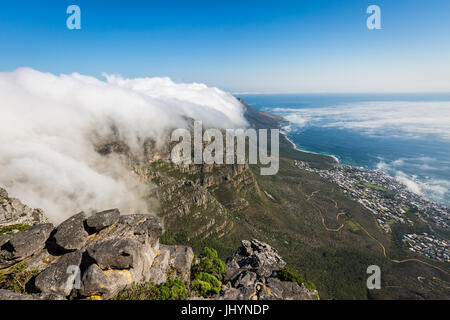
[(240, 46)]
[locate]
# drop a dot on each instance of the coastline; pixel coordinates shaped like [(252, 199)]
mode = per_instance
[(306, 151)]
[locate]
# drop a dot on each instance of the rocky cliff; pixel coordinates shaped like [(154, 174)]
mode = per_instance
[(97, 257), (14, 212)]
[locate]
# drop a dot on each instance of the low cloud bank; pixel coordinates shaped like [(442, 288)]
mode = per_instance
[(432, 188), (50, 126), (414, 119)]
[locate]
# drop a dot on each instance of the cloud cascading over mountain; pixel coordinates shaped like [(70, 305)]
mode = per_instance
[(50, 125)]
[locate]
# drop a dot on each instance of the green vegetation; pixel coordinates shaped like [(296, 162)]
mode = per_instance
[(206, 284), (387, 193), (288, 274), (209, 262), (18, 279), (172, 289), (207, 272), (10, 229)]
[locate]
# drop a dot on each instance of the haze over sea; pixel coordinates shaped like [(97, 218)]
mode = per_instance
[(405, 135)]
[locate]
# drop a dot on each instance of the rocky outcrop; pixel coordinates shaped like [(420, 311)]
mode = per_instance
[(12, 211), (100, 255), (95, 256), (252, 274)]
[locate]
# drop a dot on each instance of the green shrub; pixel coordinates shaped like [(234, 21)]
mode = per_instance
[(209, 262), (310, 285), (201, 287), (288, 274), (18, 279), (206, 284), (172, 289)]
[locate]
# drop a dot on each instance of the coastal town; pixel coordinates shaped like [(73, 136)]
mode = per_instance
[(429, 246), (390, 201)]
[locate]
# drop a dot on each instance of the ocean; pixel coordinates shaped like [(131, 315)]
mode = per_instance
[(405, 135)]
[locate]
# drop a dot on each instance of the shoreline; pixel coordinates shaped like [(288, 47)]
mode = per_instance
[(306, 151)]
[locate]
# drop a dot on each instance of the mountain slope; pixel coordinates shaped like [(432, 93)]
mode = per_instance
[(328, 237)]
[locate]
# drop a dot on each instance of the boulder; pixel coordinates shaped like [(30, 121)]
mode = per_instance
[(71, 235), (256, 256), (61, 277), (104, 283), (275, 289), (40, 260), (115, 253), (245, 279), (180, 261), (104, 219), (241, 293), (152, 229), (160, 269), (24, 244), (252, 275)]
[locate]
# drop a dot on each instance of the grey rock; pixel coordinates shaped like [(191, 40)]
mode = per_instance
[(24, 244), (71, 234), (115, 253), (245, 279), (104, 283), (94, 282), (61, 277), (48, 296), (180, 261), (158, 273), (241, 293), (256, 256), (104, 219), (12, 211), (285, 290), (40, 260), (152, 228), (252, 275), (9, 295)]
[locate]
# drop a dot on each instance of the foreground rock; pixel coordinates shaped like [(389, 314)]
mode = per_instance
[(94, 256), (59, 278), (100, 255), (23, 245), (71, 234), (104, 219), (252, 274)]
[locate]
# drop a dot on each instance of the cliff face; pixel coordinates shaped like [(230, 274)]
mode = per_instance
[(12, 211)]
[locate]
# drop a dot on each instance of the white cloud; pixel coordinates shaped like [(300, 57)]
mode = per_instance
[(432, 188), (413, 118), (49, 125)]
